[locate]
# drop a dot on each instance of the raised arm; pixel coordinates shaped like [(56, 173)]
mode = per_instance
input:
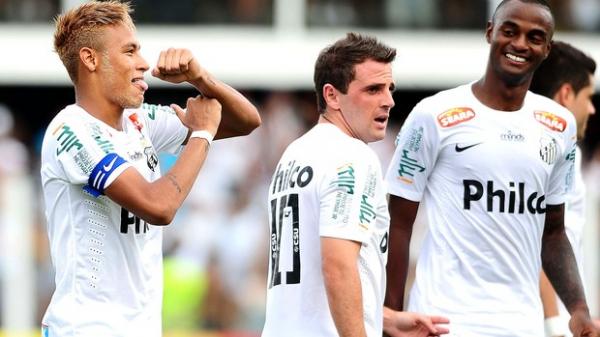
[(239, 116), (157, 202), (560, 266), (402, 217)]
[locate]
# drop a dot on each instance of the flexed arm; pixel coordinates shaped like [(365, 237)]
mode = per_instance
[(239, 116)]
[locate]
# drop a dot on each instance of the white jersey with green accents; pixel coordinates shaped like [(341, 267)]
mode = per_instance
[(484, 177), (326, 184), (108, 261)]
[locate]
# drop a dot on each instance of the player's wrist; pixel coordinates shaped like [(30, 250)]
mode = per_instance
[(203, 134), (555, 327)]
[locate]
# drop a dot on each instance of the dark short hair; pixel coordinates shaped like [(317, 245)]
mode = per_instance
[(542, 3), (564, 64), (335, 64)]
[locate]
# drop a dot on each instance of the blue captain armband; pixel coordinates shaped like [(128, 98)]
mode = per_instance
[(100, 173)]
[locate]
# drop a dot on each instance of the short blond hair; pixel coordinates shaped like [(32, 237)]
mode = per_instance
[(81, 27)]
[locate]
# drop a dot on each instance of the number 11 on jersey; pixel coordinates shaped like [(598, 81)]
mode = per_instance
[(285, 218)]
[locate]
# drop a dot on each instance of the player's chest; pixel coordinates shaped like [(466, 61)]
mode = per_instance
[(518, 144), (137, 149)]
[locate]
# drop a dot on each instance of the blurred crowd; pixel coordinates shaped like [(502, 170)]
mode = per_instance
[(571, 15)]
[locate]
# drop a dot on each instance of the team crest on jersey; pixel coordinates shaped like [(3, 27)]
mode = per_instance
[(550, 120), (151, 157), (455, 116), (548, 150)]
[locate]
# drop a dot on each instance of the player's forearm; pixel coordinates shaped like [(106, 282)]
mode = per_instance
[(239, 116), (344, 294), (559, 262), (403, 213), (397, 269), (172, 188)]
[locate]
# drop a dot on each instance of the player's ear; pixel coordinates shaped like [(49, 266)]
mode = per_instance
[(565, 94), (89, 58), (331, 95), (488, 31)]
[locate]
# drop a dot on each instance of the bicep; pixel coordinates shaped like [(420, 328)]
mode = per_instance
[(402, 213), (555, 219)]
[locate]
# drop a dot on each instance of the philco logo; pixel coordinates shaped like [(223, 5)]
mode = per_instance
[(455, 116), (550, 120)]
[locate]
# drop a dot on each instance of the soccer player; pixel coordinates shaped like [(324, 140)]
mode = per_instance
[(104, 194), (328, 211), (567, 77), (490, 162)]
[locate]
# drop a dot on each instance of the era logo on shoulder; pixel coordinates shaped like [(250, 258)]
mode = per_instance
[(550, 120), (455, 116)]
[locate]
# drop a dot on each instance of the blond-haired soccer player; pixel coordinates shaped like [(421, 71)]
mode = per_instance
[(104, 194), (567, 77)]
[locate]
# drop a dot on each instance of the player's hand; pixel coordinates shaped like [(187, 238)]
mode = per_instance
[(582, 325), (410, 324), (178, 65), (202, 114)]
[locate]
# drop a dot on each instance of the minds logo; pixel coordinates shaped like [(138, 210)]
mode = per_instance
[(511, 201)]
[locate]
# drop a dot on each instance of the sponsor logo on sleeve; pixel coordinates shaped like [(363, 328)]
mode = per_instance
[(415, 137), (367, 208), (550, 120), (455, 116), (408, 167), (100, 138), (570, 176), (67, 139), (345, 178)]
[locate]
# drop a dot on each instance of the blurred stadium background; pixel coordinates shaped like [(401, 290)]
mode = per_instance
[(216, 249)]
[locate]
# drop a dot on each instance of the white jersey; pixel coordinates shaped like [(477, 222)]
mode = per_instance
[(108, 261), (327, 184), (484, 177)]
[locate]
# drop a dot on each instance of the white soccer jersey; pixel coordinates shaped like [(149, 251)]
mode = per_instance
[(108, 261), (484, 177), (326, 184)]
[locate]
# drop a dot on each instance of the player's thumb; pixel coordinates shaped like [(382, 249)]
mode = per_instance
[(178, 111)]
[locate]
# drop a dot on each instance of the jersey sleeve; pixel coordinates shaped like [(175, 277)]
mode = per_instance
[(562, 177), (416, 152), (165, 130), (347, 198), (86, 155)]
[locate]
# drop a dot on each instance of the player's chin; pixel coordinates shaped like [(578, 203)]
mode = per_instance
[(133, 102)]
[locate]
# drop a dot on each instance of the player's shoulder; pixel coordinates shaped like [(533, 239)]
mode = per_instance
[(71, 113), (550, 113), (149, 111), (327, 143), (459, 97)]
